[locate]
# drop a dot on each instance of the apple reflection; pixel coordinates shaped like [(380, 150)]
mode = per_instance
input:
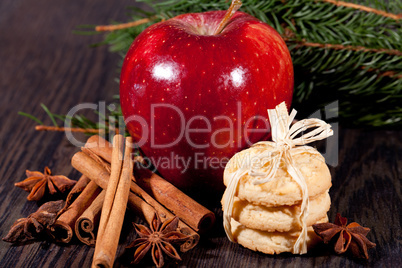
[(168, 71), (237, 77)]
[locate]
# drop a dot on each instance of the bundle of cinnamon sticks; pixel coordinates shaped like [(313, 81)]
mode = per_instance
[(104, 182), (113, 180)]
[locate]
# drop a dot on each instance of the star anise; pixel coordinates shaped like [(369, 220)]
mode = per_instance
[(160, 238), (31, 227), (37, 183), (351, 237)]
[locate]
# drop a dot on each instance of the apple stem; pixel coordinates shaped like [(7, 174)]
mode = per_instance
[(234, 6)]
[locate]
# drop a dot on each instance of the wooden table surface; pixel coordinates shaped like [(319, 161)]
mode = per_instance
[(42, 61)]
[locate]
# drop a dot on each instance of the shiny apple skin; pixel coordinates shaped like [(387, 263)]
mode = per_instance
[(232, 76)]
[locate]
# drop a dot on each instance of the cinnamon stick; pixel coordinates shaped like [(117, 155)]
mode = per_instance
[(62, 229), (115, 203), (183, 206), (75, 192), (194, 214), (100, 147), (97, 173), (87, 224)]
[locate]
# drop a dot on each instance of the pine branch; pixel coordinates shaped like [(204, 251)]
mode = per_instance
[(364, 8), (80, 123), (345, 47), (351, 50), (63, 129), (391, 74), (114, 27)]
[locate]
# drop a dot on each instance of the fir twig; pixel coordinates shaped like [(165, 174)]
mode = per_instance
[(391, 74), (364, 8), (114, 27), (80, 123), (348, 50), (63, 129), (344, 47)]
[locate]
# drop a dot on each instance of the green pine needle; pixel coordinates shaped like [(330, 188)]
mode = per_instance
[(31, 117), (49, 114)]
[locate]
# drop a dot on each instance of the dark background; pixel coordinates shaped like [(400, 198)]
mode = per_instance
[(42, 61)]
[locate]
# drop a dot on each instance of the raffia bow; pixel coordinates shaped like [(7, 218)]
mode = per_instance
[(284, 139)]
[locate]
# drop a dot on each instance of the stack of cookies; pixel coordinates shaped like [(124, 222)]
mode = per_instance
[(266, 217)]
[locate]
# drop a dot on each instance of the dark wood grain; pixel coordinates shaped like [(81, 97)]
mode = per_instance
[(42, 61)]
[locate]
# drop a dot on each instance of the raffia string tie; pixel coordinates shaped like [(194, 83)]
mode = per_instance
[(284, 138)]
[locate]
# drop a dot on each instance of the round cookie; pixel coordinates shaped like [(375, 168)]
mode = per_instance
[(281, 219), (271, 242), (282, 189)]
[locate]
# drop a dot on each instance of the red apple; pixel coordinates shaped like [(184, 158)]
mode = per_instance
[(192, 98)]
